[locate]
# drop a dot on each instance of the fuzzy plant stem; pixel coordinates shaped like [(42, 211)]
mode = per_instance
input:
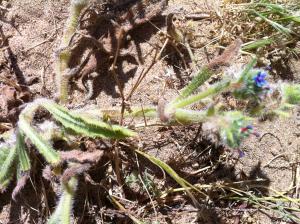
[(81, 125), (63, 74), (197, 97), (202, 76), (257, 44), (62, 213), (184, 116)]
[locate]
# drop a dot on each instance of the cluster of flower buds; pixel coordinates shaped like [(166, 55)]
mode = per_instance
[(254, 86), (265, 98), (234, 128), (249, 130)]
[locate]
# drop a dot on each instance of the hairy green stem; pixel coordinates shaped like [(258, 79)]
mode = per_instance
[(72, 22), (257, 44), (247, 69), (195, 98), (62, 213), (184, 116), (42, 146), (63, 74)]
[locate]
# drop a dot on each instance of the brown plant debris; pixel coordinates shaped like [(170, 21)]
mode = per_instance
[(20, 184), (74, 171), (82, 157), (227, 57)]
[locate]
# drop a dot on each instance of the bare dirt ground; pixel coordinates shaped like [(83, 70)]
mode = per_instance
[(34, 30)]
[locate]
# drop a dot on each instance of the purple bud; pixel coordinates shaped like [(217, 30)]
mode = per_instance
[(241, 153), (249, 127), (256, 134)]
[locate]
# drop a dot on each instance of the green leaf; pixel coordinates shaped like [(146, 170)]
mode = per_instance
[(197, 81), (147, 112), (275, 25), (183, 116), (86, 126), (8, 157), (4, 151), (246, 71), (24, 160), (42, 146), (257, 44)]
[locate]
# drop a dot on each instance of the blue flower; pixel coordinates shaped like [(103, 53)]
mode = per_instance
[(249, 127), (241, 153), (260, 80)]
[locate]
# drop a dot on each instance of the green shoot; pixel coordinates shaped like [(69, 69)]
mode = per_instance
[(62, 213), (217, 88), (81, 125), (184, 116), (247, 70), (275, 25), (63, 73)]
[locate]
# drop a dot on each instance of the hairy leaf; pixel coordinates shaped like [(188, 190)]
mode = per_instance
[(42, 146), (247, 69), (8, 158), (257, 44), (22, 153), (86, 126), (196, 82)]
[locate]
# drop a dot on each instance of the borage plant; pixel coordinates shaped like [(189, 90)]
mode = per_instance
[(15, 159), (256, 96), (249, 87)]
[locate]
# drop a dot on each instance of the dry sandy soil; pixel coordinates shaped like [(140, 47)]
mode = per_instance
[(34, 29)]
